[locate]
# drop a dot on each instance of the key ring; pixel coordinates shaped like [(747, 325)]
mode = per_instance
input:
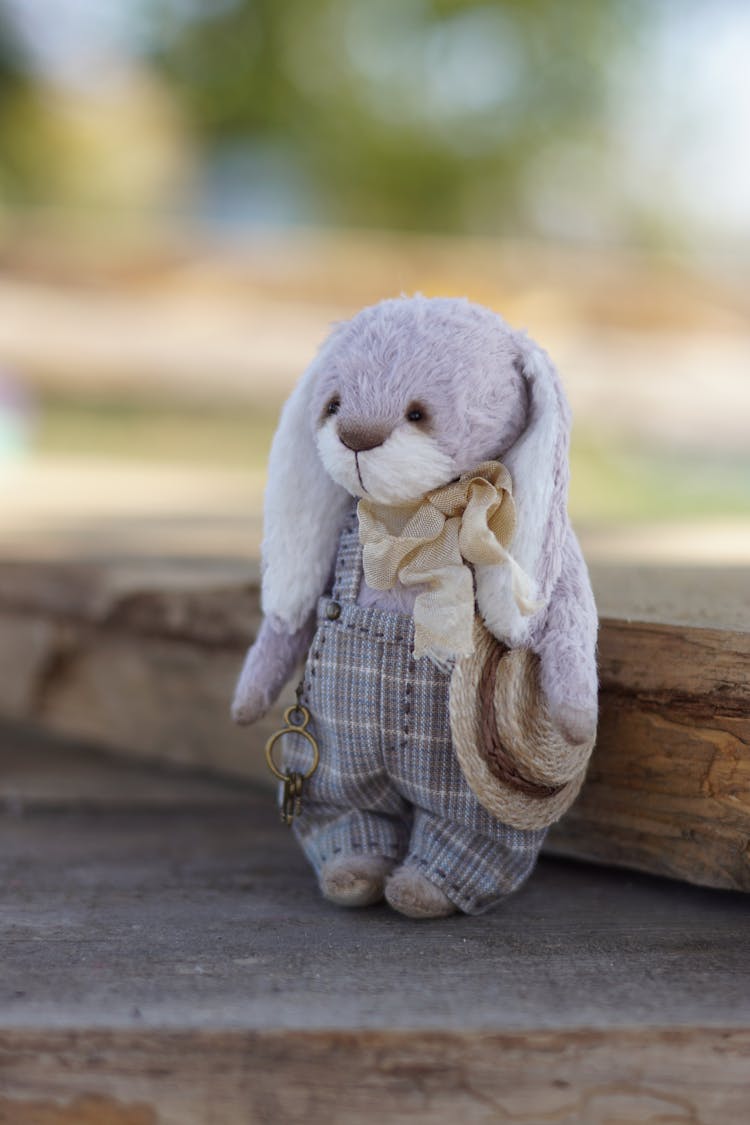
[(296, 718), (292, 727)]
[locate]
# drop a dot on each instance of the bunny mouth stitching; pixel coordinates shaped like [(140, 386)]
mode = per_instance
[(359, 472)]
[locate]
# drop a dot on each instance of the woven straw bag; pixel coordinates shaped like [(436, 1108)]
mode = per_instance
[(515, 759)]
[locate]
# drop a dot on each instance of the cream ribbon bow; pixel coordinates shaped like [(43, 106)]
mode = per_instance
[(430, 542)]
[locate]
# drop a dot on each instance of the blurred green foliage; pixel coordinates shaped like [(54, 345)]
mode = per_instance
[(18, 174), (441, 115), (418, 114)]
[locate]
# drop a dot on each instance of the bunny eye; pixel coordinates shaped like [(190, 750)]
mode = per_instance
[(416, 413), (333, 405)]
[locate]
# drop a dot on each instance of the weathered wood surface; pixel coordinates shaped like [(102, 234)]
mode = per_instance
[(139, 659), (369, 1078), (143, 660), (167, 960), (668, 788)]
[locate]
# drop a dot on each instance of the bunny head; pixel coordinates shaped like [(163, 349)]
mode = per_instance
[(400, 400), (413, 393)]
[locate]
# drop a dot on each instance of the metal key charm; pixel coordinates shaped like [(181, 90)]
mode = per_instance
[(296, 719), (291, 798)]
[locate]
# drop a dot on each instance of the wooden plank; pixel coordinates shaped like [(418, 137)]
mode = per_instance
[(51, 774), (153, 596), (367, 1078), (188, 909), (159, 699), (167, 960), (143, 660), (668, 789)]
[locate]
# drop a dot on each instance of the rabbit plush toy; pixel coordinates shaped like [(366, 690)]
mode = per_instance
[(447, 617)]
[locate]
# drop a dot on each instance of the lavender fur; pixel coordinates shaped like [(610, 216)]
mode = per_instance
[(268, 665), (489, 392), (566, 643), (459, 358)]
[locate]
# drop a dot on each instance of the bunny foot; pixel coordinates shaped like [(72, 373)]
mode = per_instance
[(355, 880), (410, 893)]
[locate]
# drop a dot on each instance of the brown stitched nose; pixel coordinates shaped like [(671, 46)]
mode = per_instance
[(361, 438)]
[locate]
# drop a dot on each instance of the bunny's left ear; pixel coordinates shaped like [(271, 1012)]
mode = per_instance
[(538, 465), (304, 511)]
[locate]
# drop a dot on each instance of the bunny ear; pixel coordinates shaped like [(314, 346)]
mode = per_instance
[(304, 513), (538, 465)]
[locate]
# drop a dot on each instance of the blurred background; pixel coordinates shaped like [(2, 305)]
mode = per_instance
[(191, 191)]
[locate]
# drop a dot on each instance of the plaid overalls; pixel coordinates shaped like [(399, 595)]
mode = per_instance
[(389, 783)]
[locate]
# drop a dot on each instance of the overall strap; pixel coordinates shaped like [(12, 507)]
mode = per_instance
[(348, 572)]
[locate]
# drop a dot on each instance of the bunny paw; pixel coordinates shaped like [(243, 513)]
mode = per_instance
[(578, 724), (410, 893), (355, 880), (250, 705)]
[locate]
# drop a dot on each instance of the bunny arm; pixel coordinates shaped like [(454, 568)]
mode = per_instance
[(268, 665), (566, 645)]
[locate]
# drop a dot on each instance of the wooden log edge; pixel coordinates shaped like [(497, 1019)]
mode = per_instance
[(124, 1077), (145, 666)]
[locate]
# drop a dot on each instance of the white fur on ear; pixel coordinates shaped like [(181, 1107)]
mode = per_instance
[(303, 515), (538, 465)]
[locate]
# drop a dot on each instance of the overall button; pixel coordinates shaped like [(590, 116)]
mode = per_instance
[(333, 611)]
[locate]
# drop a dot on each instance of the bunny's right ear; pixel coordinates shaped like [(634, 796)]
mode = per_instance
[(538, 465), (303, 515)]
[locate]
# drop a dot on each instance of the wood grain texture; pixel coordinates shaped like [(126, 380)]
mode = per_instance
[(167, 959), (138, 900), (367, 1078), (144, 660), (668, 788)]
